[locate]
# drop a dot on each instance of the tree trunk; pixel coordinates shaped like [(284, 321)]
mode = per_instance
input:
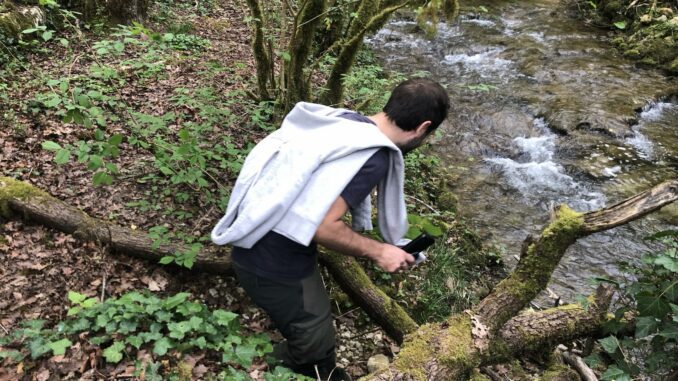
[(21, 199), (261, 57), (116, 11)]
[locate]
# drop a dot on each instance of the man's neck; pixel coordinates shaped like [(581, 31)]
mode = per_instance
[(387, 127)]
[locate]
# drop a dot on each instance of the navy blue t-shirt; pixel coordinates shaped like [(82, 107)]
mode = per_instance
[(278, 257)]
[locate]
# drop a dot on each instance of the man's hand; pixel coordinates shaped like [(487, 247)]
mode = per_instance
[(392, 258), (335, 235)]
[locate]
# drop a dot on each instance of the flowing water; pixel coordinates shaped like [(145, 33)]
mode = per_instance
[(544, 112)]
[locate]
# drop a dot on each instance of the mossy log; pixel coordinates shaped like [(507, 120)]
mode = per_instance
[(352, 279), (450, 350), (18, 198)]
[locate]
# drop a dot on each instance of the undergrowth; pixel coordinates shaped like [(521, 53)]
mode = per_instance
[(141, 321)]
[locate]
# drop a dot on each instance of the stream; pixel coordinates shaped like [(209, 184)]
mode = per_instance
[(544, 111)]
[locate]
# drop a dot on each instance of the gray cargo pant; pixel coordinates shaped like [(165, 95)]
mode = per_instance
[(300, 310)]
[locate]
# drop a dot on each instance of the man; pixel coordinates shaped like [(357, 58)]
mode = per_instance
[(292, 193)]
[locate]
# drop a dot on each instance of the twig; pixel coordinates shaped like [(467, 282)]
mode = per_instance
[(494, 376), (103, 287), (4, 329), (578, 364), (201, 219), (434, 210), (347, 312)]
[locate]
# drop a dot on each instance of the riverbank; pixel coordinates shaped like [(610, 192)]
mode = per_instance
[(647, 32), (146, 126)]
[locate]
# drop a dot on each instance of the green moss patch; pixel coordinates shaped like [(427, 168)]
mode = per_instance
[(13, 189)]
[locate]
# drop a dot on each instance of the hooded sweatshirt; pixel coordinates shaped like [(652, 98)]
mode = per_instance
[(292, 177)]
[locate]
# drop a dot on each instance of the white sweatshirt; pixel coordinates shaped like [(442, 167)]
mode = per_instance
[(292, 177)]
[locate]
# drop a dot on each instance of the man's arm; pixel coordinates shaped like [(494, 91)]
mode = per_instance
[(335, 235)]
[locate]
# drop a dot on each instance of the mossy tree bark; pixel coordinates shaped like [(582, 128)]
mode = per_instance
[(261, 56), (386, 312)]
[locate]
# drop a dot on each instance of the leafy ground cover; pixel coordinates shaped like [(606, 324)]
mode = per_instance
[(147, 125)]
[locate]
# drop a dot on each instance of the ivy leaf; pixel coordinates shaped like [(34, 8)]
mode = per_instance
[(136, 341), (113, 354), (669, 263), (609, 344), (200, 342), (645, 325), (75, 297), (245, 353), (669, 330), (195, 322), (38, 347), (175, 300), (162, 346), (649, 305), (620, 24), (615, 374), (224, 317), (62, 156), (59, 347)]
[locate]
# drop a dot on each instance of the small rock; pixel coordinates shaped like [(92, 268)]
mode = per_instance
[(377, 362)]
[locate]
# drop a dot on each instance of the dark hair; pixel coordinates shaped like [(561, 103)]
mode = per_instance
[(416, 101)]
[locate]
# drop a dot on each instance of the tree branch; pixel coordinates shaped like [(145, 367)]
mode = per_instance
[(348, 273), (22, 199)]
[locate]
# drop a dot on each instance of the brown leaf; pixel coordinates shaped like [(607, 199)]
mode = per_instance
[(42, 376)]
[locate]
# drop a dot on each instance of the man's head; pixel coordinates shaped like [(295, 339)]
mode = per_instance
[(416, 101)]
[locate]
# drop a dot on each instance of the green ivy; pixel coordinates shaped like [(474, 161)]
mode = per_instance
[(140, 320), (652, 300)]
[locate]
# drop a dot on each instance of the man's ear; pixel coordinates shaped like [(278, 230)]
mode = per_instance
[(422, 129)]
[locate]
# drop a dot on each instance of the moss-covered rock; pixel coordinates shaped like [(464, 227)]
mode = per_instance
[(13, 19)]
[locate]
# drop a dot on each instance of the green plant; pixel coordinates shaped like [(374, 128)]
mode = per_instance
[(443, 288), (137, 321), (644, 332)]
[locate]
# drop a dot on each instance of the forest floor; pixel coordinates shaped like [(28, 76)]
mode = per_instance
[(192, 77)]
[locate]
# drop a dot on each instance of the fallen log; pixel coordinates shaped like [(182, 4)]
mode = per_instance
[(386, 312), (450, 350), (31, 203)]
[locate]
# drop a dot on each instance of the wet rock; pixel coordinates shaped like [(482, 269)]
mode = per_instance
[(377, 362)]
